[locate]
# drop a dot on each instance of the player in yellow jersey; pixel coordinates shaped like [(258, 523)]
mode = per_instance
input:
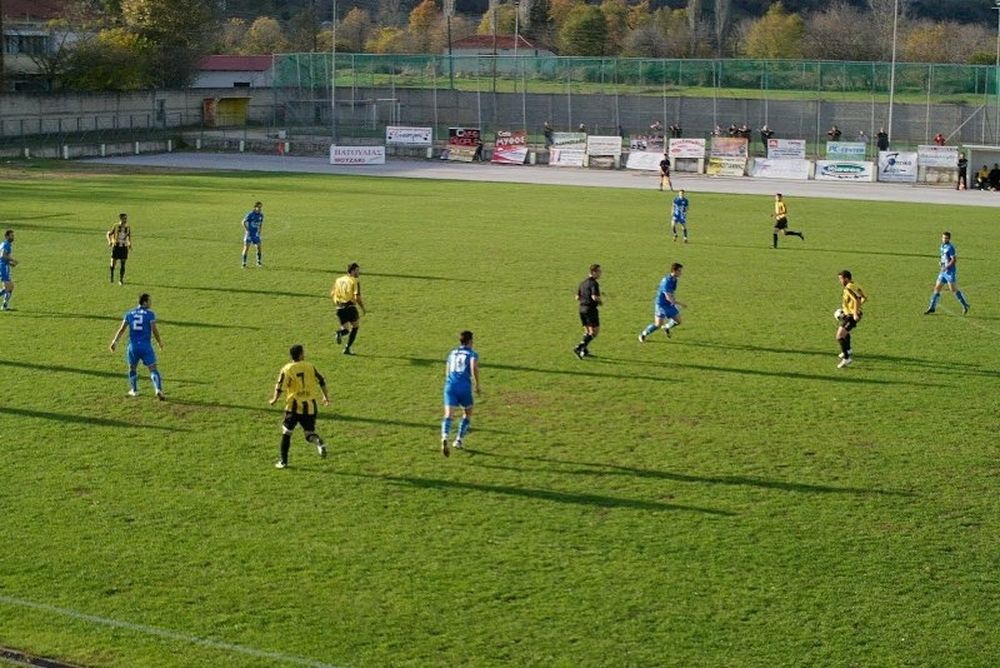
[(851, 302), (120, 242), (346, 296), (781, 221), (301, 383)]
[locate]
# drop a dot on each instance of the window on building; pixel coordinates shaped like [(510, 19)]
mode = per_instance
[(29, 45)]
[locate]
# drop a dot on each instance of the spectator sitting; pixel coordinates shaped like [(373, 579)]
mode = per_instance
[(675, 130), (994, 177), (733, 130), (656, 128), (862, 137), (983, 178), (939, 139), (744, 131), (834, 133), (582, 128), (717, 132)]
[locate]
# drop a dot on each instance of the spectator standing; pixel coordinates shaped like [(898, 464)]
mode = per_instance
[(834, 133), (939, 139), (675, 130), (882, 140), (547, 134), (963, 172), (765, 134)]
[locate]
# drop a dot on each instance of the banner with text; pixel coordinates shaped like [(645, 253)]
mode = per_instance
[(463, 144), (566, 157), (598, 145), (510, 148), (646, 160), (407, 136), (686, 148), (786, 149), (726, 166), (646, 143), (783, 168), (569, 139), (844, 170), (897, 167), (729, 147), (357, 155), (846, 150), (937, 156)]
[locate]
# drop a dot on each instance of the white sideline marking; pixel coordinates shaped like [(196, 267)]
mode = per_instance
[(165, 633)]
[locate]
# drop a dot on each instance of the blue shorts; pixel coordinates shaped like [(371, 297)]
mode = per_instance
[(946, 277), (253, 239), (680, 221), (665, 311), (458, 396), (4, 272), (140, 353)]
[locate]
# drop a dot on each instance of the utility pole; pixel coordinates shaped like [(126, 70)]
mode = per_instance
[(333, 75), (3, 47)]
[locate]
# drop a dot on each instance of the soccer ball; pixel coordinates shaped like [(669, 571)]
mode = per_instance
[(838, 315)]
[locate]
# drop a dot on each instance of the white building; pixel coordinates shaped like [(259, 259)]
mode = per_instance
[(235, 72)]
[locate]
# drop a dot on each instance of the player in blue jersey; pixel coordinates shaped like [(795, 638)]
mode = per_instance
[(253, 222), (666, 308), (461, 377), (141, 324), (947, 276), (6, 262), (679, 215)]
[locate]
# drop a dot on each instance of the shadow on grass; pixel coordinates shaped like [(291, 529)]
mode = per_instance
[(57, 368), (597, 469), (831, 378), (415, 277), (82, 419), (112, 318), (596, 500), (242, 291), (797, 247)]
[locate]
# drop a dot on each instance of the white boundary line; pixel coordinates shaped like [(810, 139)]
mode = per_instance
[(165, 633)]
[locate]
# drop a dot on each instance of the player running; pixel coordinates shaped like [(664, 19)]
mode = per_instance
[(666, 308), (141, 323), (346, 296), (679, 215), (253, 223), (781, 221), (947, 276), (7, 261), (461, 376), (300, 382)]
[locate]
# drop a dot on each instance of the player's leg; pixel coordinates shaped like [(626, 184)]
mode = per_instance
[(587, 319), (309, 426), (684, 226), (446, 421), (111, 270), (246, 249), (844, 340), (591, 334), (287, 427), (935, 296), (343, 329), (260, 254), (132, 359), (793, 233), (8, 290), (673, 229), (464, 424), (669, 184), (154, 375), (651, 327), (351, 337), (121, 270), (774, 237), (953, 286)]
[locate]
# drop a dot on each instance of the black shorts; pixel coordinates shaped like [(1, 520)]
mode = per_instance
[(308, 422), (781, 224), (346, 314), (119, 252), (849, 323), (590, 317)]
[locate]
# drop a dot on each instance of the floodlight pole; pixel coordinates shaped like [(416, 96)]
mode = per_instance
[(892, 70), (333, 76), (996, 71)]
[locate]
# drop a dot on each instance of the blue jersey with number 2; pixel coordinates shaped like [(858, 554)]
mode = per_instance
[(140, 326)]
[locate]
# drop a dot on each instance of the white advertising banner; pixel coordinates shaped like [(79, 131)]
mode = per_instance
[(406, 136), (783, 168), (786, 149), (569, 139), (937, 156), (687, 148), (566, 157), (846, 150), (598, 145), (726, 166), (844, 170), (897, 166), (647, 160), (357, 155)]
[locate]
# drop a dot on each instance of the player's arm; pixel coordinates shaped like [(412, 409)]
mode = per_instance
[(9, 259), (952, 259), (246, 225), (672, 300), (111, 237), (118, 335), (322, 387), (475, 373), (277, 389), (357, 298), (156, 334), (595, 296)]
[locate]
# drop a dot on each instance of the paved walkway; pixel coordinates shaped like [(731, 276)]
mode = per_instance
[(545, 175)]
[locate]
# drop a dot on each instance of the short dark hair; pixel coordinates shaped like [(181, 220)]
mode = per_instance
[(122, 215), (946, 234), (777, 194), (846, 273), (594, 267), (8, 233), (296, 351), (256, 204), (465, 338), (143, 299), (675, 266), (352, 266)]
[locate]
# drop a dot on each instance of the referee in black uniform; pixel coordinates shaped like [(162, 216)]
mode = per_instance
[(588, 296)]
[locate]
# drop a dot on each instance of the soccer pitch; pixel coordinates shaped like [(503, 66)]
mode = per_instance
[(724, 497)]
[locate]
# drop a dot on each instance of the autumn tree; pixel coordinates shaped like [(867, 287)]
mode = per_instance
[(506, 21), (616, 18), (264, 36), (539, 21), (777, 34), (115, 59), (354, 29), (584, 32), (841, 32), (179, 32), (423, 19)]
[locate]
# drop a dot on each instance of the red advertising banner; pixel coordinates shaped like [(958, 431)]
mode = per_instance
[(511, 147), (464, 143)]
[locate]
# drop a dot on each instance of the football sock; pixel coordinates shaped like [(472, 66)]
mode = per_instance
[(844, 346), (961, 298), (445, 427), (463, 427), (350, 339), (286, 443), (587, 338), (244, 259), (157, 381), (650, 328), (934, 300), (6, 299), (260, 257), (121, 271), (847, 345), (670, 324), (112, 273), (315, 439), (775, 242), (133, 380)]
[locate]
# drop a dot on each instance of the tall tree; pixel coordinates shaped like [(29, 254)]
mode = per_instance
[(584, 33), (506, 17), (777, 35), (265, 36), (354, 29), (616, 17), (694, 20), (179, 31), (721, 17)]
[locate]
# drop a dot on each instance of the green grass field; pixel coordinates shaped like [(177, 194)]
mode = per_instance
[(724, 498)]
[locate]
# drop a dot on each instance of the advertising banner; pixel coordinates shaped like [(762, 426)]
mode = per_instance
[(646, 143), (647, 160), (598, 145), (569, 139), (786, 149), (729, 147), (566, 157), (726, 166), (405, 136), (463, 144), (845, 150), (357, 155), (844, 170), (783, 168), (510, 148), (897, 167), (937, 156), (687, 148)]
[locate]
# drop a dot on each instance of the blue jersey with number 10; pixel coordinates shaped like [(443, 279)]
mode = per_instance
[(253, 221), (140, 326), (459, 366), (680, 209)]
